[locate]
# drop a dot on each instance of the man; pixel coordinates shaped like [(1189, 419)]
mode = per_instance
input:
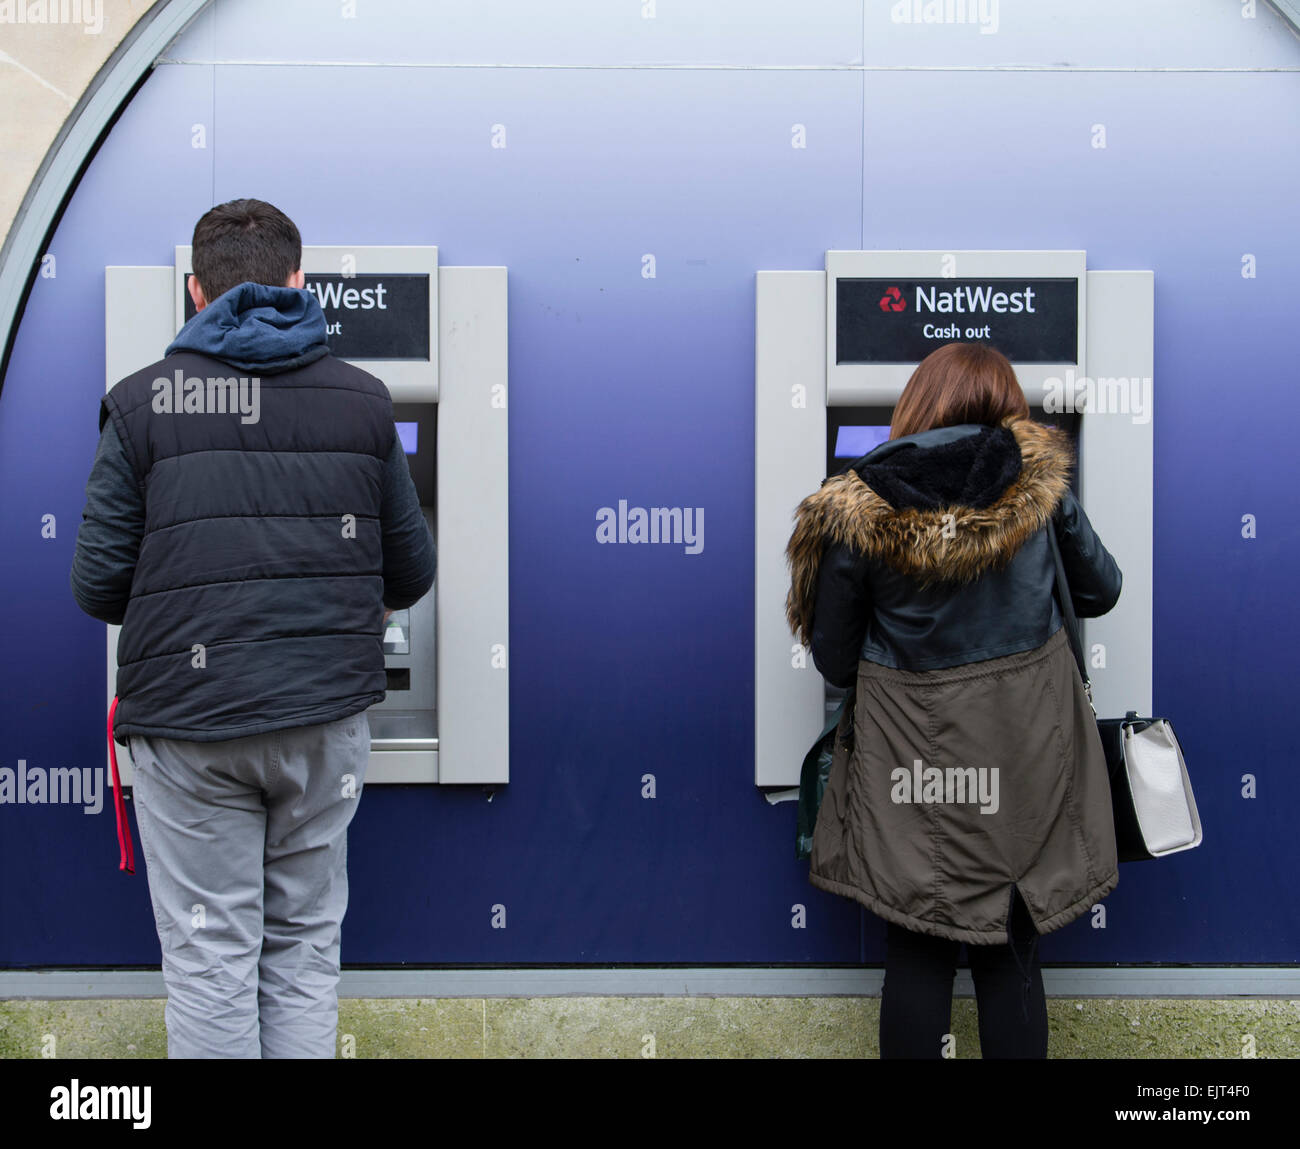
[(249, 507)]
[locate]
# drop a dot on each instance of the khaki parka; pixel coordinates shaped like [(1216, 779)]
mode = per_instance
[(921, 578)]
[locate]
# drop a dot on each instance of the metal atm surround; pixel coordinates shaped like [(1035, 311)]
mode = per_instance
[(407, 718), (458, 396), (797, 382)]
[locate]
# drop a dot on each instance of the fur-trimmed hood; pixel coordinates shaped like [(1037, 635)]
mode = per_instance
[(941, 506)]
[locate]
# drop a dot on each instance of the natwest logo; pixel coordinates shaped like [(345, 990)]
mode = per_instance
[(893, 300), (969, 299)]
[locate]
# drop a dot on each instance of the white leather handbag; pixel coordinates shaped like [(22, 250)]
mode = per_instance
[(1150, 792)]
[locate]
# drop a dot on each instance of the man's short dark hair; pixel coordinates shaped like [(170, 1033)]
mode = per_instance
[(241, 241)]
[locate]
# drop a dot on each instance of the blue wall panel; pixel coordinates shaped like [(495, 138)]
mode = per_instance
[(633, 660)]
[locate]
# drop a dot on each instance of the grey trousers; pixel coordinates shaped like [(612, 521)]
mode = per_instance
[(246, 847)]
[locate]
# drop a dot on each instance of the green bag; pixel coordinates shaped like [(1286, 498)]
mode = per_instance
[(816, 769)]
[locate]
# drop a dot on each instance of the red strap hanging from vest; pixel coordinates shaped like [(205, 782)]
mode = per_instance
[(125, 848)]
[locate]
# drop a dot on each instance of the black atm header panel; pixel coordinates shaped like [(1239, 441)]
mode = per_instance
[(370, 317), (902, 320)]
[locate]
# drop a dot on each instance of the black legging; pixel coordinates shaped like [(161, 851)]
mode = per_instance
[(916, 1001)]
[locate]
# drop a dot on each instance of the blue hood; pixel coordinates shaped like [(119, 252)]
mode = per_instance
[(256, 327)]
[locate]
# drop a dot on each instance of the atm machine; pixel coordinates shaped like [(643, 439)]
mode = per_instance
[(436, 336), (834, 350)]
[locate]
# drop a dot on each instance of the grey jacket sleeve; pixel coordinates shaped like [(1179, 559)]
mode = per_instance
[(108, 539), (1090, 569), (409, 556)]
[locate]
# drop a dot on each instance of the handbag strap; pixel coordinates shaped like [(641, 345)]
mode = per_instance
[(1067, 608)]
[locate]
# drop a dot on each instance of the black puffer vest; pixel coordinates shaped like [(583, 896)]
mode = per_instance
[(257, 598)]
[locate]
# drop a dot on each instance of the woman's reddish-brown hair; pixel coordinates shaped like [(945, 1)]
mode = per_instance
[(959, 383)]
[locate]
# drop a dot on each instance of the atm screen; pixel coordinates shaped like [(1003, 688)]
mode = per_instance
[(852, 432), (852, 441), (417, 430)]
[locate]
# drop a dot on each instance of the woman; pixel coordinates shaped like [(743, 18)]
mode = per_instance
[(974, 805)]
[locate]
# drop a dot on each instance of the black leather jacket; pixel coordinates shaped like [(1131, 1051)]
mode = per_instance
[(932, 551)]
